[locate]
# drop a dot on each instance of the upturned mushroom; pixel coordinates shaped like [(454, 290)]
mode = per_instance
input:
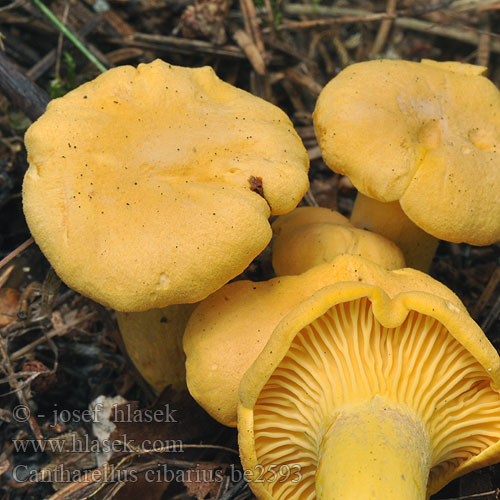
[(152, 186), (421, 143), (229, 329), (367, 393), (310, 236), (378, 385)]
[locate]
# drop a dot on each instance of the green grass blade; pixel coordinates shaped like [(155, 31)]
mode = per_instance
[(93, 59)]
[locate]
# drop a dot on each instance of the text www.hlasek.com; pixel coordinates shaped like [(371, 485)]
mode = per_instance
[(83, 444)]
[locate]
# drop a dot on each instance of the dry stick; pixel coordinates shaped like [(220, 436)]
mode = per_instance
[(304, 80), (286, 48), (166, 449), (179, 43), (57, 332), (341, 51), (16, 252), (254, 24), (314, 153), (250, 49), (493, 315), (246, 20), (324, 10), (14, 5), (489, 8), (250, 40), (477, 495), (487, 292), (384, 28), (101, 476), (464, 34), (310, 199), (60, 41), (25, 95), (104, 475), (43, 64), (114, 490), (331, 21), (293, 95), (465, 5), (16, 386), (483, 46), (270, 17), (90, 478), (4, 275)]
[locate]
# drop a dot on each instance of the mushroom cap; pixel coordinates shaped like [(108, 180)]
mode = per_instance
[(353, 344), (229, 329), (310, 236), (152, 186), (422, 134)]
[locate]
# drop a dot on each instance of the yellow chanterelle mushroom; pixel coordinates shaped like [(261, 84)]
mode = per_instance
[(310, 236), (421, 143), (229, 329), (378, 385), (152, 186), (370, 392)]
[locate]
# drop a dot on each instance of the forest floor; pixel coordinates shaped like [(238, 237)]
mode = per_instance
[(59, 351)]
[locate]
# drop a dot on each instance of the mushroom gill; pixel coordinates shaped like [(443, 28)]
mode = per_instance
[(355, 409)]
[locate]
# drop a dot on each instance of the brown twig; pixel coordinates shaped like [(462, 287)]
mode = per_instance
[(493, 315), (489, 8), (270, 17), (487, 292), (250, 49), (17, 388), (16, 252), (304, 80), (383, 30), (331, 21), (477, 495), (25, 94), (314, 153), (293, 95), (483, 45), (90, 479), (5, 275), (251, 22), (462, 33), (310, 199), (341, 51), (60, 40), (57, 332), (182, 45), (250, 39)]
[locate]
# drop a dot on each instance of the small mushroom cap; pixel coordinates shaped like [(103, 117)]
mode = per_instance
[(425, 134), (351, 345), (229, 329), (152, 186), (310, 236)]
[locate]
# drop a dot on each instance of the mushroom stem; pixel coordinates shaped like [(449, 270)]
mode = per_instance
[(389, 220), (153, 340), (374, 451)]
